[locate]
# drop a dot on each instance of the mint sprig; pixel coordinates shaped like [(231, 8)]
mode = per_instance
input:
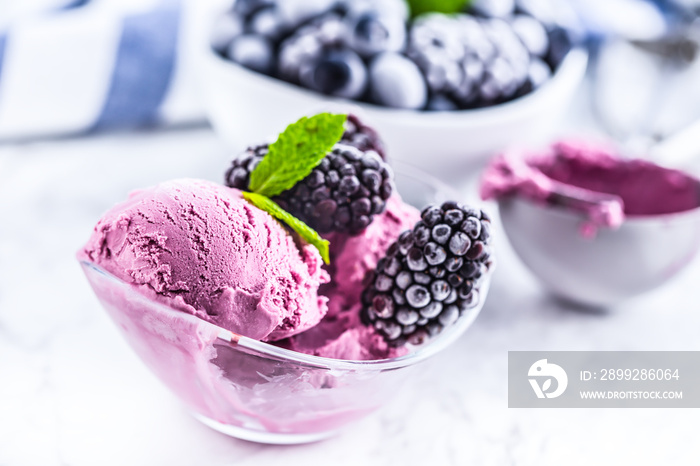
[(296, 152), (306, 232), (290, 159), (418, 7)]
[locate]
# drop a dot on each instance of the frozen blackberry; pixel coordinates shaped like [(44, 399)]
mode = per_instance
[(430, 276), (475, 61), (238, 175), (356, 134), (343, 193), (362, 136)]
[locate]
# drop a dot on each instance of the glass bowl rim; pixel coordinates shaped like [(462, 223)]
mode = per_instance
[(432, 347)]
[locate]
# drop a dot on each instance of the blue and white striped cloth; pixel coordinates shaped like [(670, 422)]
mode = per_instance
[(89, 65)]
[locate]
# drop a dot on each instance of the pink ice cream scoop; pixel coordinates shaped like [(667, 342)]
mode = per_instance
[(201, 248), (341, 334), (591, 180)]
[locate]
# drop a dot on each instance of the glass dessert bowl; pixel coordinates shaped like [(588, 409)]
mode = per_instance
[(258, 391)]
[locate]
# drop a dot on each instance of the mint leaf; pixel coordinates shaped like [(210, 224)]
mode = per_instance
[(306, 232), (296, 152), (418, 7)]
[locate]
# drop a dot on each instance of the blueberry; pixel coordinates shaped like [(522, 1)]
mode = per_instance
[(252, 51), (372, 33), (267, 22), (441, 103), (397, 82), (225, 29), (295, 12), (560, 43), (245, 8), (394, 8), (336, 72)]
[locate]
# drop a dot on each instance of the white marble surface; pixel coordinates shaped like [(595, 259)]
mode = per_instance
[(73, 393)]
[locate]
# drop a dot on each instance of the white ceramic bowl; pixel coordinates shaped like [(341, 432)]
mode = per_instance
[(244, 107), (641, 255)]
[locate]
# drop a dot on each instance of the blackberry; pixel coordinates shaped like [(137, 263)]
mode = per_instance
[(430, 275), (343, 193), (238, 175), (475, 61), (362, 136), (356, 134)]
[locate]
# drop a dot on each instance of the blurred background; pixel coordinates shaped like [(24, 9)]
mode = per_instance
[(100, 97)]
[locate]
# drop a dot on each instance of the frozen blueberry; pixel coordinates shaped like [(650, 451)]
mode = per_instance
[(397, 82), (246, 8), (295, 12), (336, 72), (252, 51), (306, 45), (225, 29), (441, 103), (267, 22), (372, 33), (561, 42)]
